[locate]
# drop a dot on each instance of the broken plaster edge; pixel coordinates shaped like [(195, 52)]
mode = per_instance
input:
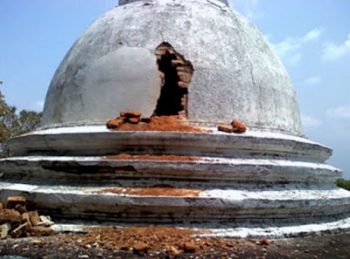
[(207, 230), (211, 130), (232, 198)]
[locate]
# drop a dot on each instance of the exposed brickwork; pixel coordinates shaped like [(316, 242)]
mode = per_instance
[(176, 74), (154, 123)]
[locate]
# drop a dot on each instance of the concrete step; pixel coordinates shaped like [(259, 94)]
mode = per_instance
[(210, 180), (74, 141), (278, 204), (65, 169)]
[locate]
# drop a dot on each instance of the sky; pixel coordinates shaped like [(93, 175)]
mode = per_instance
[(311, 37)]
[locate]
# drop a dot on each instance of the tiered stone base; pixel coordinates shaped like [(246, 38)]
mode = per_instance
[(257, 183)]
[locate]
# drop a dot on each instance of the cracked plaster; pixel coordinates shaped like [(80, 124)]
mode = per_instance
[(236, 76)]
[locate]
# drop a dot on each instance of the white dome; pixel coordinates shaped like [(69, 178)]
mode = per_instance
[(113, 67)]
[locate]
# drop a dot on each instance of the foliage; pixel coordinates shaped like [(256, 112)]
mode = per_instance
[(345, 184), (13, 124)]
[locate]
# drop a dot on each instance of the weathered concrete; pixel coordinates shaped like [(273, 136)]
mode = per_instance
[(236, 76), (77, 141), (268, 181), (236, 184), (274, 211), (105, 170)]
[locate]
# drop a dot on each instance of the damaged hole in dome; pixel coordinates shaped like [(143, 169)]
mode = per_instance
[(176, 73)]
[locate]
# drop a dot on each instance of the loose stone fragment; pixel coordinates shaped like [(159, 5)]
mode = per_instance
[(25, 218), (17, 232), (20, 208), (7, 215), (140, 247), (34, 217), (41, 231), (230, 244), (114, 123), (14, 200), (5, 228), (238, 126), (264, 241), (189, 247), (45, 221), (172, 252), (225, 128), (130, 114), (134, 120)]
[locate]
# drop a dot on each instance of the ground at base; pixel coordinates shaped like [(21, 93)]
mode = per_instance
[(165, 242)]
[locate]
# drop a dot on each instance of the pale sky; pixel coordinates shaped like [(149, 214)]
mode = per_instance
[(312, 38)]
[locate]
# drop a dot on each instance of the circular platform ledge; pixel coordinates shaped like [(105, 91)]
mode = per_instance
[(256, 183)]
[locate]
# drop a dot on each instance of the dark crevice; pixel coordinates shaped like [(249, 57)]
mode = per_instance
[(176, 73)]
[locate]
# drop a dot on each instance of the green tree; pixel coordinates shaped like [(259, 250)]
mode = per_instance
[(13, 124), (28, 121), (345, 184)]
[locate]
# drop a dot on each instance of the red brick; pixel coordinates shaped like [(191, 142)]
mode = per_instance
[(130, 114), (172, 252), (114, 123), (14, 200), (225, 128), (264, 241), (25, 218), (9, 215), (140, 247), (189, 247), (238, 126), (134, 120), (34, 217), (20, 208)]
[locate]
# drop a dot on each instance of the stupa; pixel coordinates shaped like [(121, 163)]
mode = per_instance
[(206, 64)]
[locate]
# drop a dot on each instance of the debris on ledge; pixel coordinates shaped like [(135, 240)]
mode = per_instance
[(163, 157), (132, 121), (157, 190), (16, 221), (235, 126), (263, 241)]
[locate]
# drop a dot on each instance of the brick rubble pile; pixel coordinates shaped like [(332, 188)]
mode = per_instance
[(132, 117), (16, 221), (235, 126)]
